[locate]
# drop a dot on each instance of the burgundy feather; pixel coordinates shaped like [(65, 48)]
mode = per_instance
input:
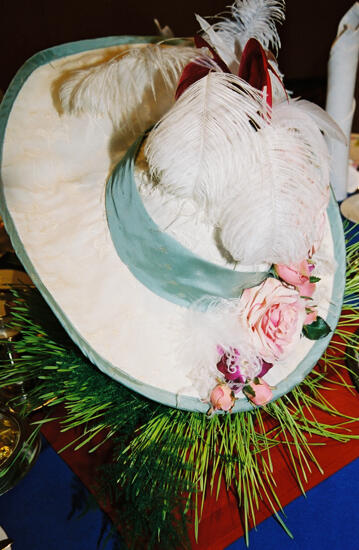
[(254, 68), (190, 74), (195, 71)]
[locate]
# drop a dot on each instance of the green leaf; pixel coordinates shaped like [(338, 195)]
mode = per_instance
[(313, 279), (272, 273), (248, 390), (318, 329)]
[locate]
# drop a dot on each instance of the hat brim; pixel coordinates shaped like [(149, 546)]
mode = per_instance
[(53, 177)]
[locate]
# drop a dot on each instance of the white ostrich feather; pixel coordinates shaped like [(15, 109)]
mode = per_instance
[(135, 88), (191, 150), (227, 52), (201, 335), (252, 19), (279, 93), (324, 121), (271, 216)]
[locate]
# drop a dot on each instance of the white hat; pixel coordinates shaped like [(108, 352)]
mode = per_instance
[(142, 278)]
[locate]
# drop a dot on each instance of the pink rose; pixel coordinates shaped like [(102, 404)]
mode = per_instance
[(295, 274), (222, 398), (272, 315), (259, 392)]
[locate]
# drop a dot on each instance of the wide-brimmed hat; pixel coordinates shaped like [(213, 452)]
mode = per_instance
[(146, 281)]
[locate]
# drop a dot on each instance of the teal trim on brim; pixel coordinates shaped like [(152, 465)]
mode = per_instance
[(158, 260), (156, 394)]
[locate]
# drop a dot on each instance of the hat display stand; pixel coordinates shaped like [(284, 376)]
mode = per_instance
[(168, 454)]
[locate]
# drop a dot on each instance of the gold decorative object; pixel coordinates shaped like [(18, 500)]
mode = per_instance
[(18, 449)]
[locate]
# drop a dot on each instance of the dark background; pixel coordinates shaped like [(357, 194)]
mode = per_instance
[(29, 26)]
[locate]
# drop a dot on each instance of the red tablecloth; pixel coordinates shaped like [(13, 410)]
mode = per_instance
[(221, 524)]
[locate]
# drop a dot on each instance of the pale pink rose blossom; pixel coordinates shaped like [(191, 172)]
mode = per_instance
[(272, 316), (222, 398), (262, 390)]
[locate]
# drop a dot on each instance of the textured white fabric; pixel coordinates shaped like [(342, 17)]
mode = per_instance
[(54, 172)]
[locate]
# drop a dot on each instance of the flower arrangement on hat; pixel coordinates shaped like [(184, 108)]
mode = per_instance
[(272, 317)]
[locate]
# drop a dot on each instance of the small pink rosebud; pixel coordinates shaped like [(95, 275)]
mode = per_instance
[(259, 392), (306, 289), (294, 274), (222, 397)]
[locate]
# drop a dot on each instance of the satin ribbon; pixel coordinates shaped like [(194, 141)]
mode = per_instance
[(155, 258)]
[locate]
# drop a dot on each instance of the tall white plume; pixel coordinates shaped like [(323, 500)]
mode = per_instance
[(193, 149), (271, 215), (134, 88), (324, 121), (252, 19), (279, 93), (226, 51)]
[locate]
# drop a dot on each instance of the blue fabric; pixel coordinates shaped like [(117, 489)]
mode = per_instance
[(35, 514), (328, 519), (38, 513), (352, 236)]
